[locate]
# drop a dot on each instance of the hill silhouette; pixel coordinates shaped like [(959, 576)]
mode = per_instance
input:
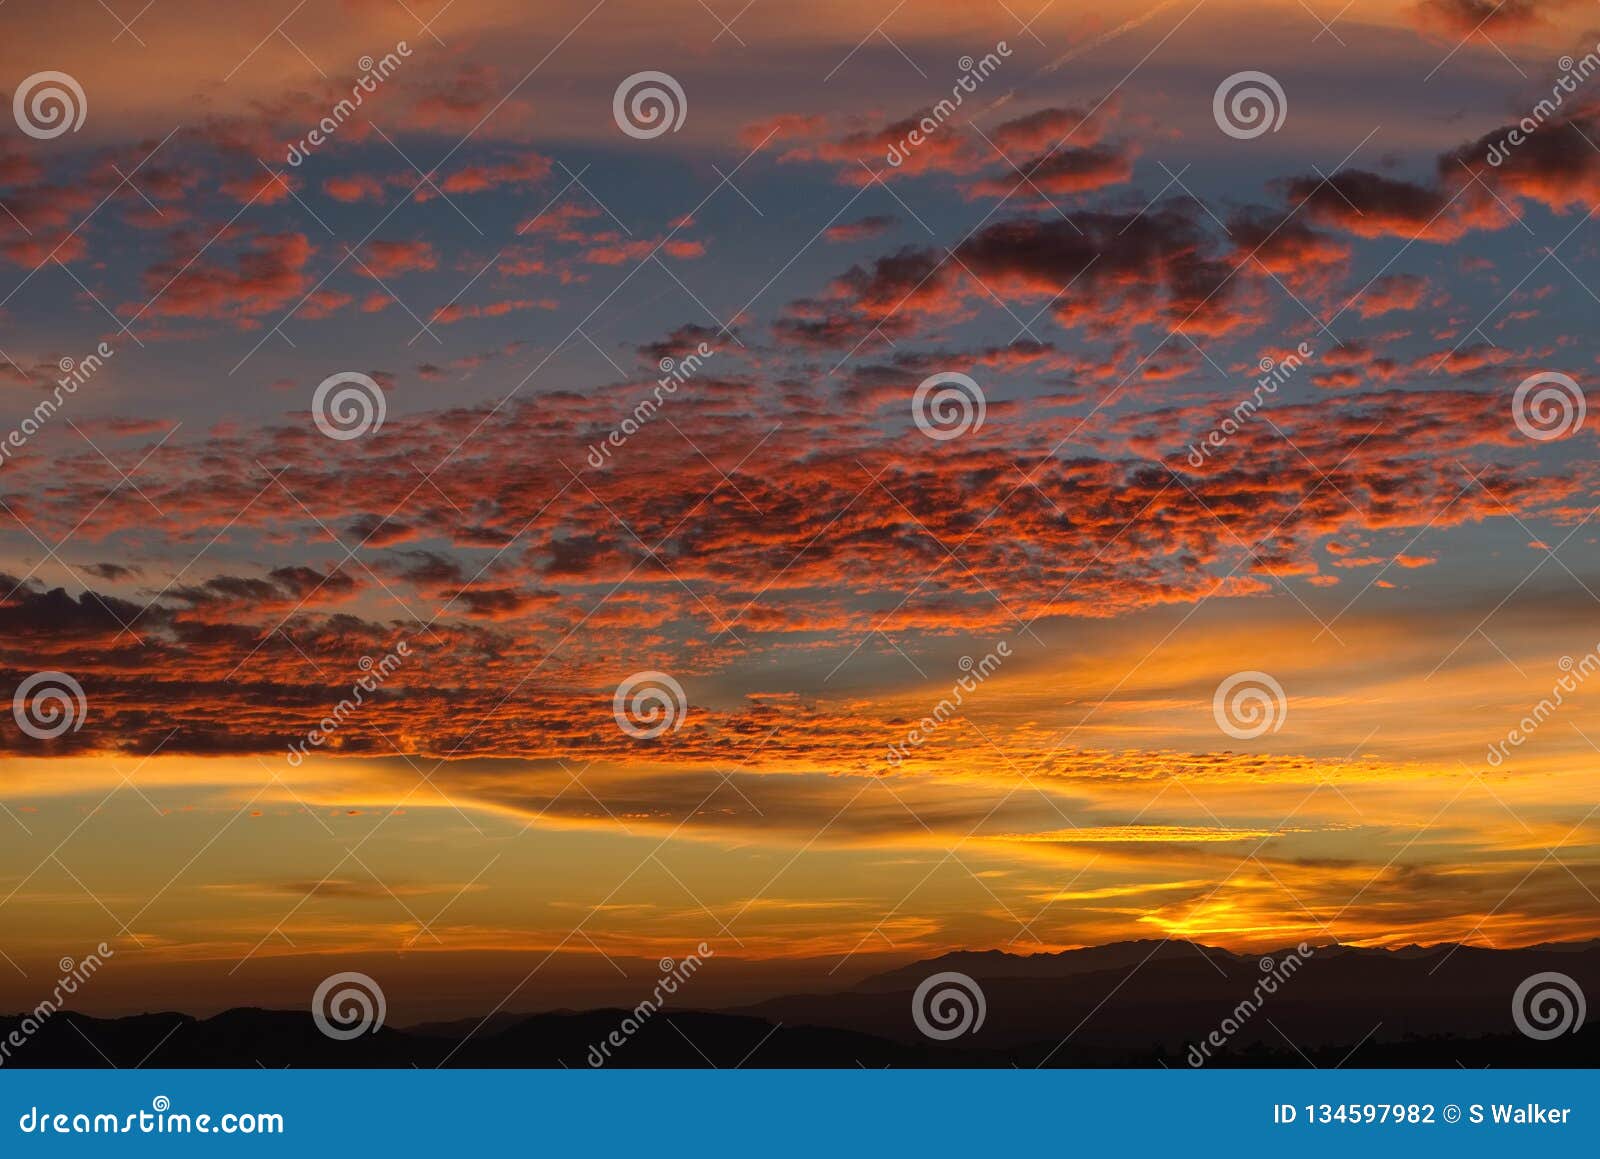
[(1124, 1004)]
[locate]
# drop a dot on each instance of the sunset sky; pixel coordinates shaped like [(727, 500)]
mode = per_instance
[(1404, 546)]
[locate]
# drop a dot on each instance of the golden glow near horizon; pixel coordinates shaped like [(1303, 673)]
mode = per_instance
[(1051, 680), (1175, 831)]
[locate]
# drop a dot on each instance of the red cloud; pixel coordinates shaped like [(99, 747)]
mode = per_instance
[(1392, 292), (387, 259), (264, 278), (354, 187)]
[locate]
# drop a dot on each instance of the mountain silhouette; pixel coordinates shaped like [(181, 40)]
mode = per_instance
[(1124, 1004)]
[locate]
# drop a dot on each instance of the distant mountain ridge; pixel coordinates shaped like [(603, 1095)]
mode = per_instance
[(1142, 1003), (1112, 955), (1056, 964)]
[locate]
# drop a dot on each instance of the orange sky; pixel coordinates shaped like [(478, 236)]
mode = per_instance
[(780, 535)]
